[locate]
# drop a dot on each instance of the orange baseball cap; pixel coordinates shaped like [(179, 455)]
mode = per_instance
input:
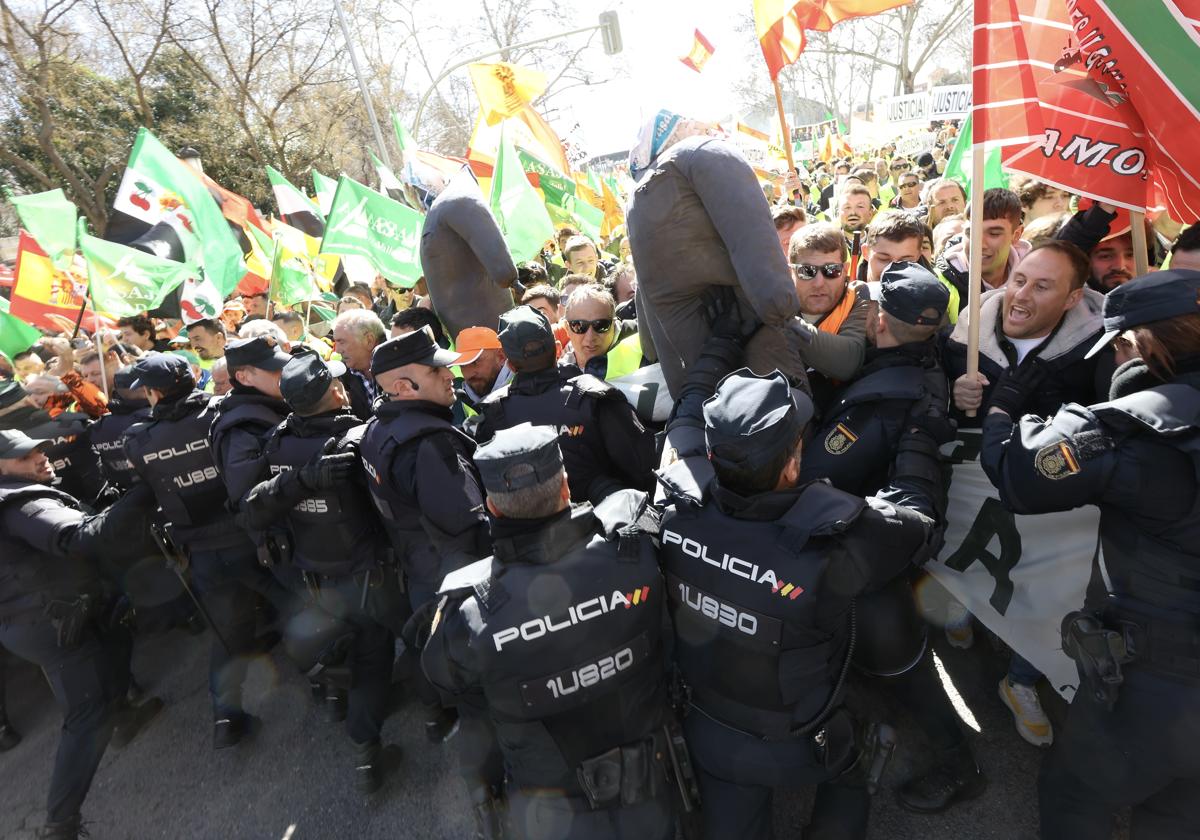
[(471, 343)]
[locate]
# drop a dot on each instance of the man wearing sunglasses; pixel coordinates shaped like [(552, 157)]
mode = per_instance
[(833, 309), (594, 331), (908, 192)]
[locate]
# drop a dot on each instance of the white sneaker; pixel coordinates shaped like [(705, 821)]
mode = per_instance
[(959, 632), (1032, 723)]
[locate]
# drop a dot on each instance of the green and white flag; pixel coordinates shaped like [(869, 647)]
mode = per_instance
[(50, 219), (295, 208), (16, 336), (126, 281), (518, 208), (324, 187), (368, 224), (958, 166), (291, 278), (158, 187)]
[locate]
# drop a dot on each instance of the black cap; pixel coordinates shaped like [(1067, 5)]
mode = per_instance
[(907, 290), (306, 379), (750, 417), (1152, 297), (417, 347), (521, 456), (16, 444), (255, 352), (525, 333), (161, 371), (11, 393)]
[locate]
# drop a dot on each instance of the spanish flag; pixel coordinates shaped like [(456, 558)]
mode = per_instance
[(701, 52), (780, 24), (43, 293)]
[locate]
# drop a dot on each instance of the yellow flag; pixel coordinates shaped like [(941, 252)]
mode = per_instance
[(614, 213), (528, 131), (505, 89)]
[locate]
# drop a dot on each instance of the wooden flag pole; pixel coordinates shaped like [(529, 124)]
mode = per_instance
[(783, 126), (1137, 229), (975, 273)]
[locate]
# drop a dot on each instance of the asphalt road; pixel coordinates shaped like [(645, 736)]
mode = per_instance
[(294, 779)]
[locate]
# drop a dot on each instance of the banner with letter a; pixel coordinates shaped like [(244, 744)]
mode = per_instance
[(1017, 574)]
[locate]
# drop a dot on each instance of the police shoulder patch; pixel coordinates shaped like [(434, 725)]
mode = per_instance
[(1057, 460), (840, 439)]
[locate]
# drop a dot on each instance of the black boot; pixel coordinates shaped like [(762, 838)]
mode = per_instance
[(230, 731), (488, 808), (439, 722), (9, 737), (132, 719), (954, 778), (368, 767), (65, 830), (336, 701)]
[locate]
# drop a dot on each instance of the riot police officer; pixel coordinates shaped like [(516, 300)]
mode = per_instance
[(56, 613), (337, 543), (604, 445), (106, 435), (1131, 731), (761, 579), (170, 452), (422, 481), (854, 448), (559, 636), (76, 465)]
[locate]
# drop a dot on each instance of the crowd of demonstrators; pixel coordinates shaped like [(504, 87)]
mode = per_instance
[(587, 594)]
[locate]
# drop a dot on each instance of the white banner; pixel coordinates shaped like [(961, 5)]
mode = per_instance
[(1019, 575), (948, 102), (646, 391)]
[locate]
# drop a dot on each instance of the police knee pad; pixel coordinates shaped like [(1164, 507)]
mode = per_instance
[(891, 634), (319, 644)]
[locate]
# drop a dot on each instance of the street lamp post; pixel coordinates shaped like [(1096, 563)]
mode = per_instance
[(609, 27), (362, 86)]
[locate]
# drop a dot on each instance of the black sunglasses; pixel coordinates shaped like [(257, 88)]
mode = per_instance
[(806, 271), (580, 326), (899, 167), (909, 184)]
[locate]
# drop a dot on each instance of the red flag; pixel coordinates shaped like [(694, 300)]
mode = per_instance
[(701, 52), (43, 295), (1148, 53), (1005, 103), (780, 24)]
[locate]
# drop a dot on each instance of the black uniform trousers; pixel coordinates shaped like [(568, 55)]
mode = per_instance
[(1144, 754), (738, 773), (538, 815), (373, 605), (89, 684), (231, 582)]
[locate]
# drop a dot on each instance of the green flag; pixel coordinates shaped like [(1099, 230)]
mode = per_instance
[(958, 166), (324, 187), (158, 187), (50, 219), (15, 335), (125, 281), (369, 224), (291, 280), (404, 140), (518, 208), (558, 190)]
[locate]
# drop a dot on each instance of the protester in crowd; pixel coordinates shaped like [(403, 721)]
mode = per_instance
[(548, 301), (28, 364), (1040, 199), (908, 192), (1003, 246), (898, 237), (99, 371), (356, 333), (1045, 227), (219, 376), (788, 219), (1185, 253), (622, 282), (207, 338), (232, 315), (867, 177), (942, 197), (947, 233), (1113, 262), (348, 302), (262, 328), (582, 257), (482, 363), (1131, 727), (833, 309), (411, 320), (855, 209), (840, 171), (594, 332), (139, 331)]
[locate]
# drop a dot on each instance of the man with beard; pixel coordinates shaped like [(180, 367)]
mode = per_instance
[(1112, 262), (854, 210)]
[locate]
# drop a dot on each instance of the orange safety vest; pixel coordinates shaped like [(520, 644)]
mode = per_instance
[(832, 322)]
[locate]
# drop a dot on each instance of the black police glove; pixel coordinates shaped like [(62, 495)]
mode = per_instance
[(419, 627), (328, 471), (1016, 386)]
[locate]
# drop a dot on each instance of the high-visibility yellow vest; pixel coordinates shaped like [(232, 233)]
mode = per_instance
[(624, 358)]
